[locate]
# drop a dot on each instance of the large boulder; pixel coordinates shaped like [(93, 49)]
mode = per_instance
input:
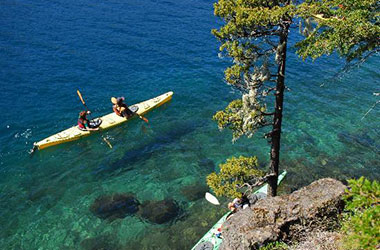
[(287, 217), (115, 206), (160, 212)]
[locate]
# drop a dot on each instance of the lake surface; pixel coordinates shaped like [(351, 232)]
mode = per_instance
[(141, 49)]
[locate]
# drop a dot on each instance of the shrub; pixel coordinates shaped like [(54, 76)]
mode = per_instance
[(234, 172), (275, 246), (361, 224)]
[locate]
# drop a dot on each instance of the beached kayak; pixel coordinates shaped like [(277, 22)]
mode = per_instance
[(210, 240), (108, 121)]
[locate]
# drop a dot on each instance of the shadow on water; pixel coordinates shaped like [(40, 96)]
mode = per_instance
[(156, 145)]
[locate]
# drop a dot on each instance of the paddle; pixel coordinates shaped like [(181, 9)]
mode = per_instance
[(84, 103), (212, 199), (142, 118), (81, 99)]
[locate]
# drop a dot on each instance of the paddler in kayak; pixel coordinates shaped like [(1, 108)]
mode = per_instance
[(85, 124), (120, 108)]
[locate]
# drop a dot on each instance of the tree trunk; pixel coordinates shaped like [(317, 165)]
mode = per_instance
[(277, 119)]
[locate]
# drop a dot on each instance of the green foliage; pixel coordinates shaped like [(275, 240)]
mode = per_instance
[(275, 246), (235, 171), (246, 22), (229, 116), (362, 222), (239, 119), (362, 194), (233, 74), (256, 14), (350, 27)]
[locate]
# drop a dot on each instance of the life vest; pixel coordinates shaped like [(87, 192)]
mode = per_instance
[(81, 123)]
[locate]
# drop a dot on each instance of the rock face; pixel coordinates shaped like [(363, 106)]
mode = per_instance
[(286, 218), (320, 240)]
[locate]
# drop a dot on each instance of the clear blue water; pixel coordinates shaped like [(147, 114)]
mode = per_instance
[(140, 49)]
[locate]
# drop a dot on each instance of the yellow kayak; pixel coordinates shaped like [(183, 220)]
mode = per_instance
[(108, 121)]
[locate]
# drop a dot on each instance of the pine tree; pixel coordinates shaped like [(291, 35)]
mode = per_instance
[(255, 36)]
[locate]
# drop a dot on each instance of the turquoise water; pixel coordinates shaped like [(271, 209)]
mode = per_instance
[(140, 49)]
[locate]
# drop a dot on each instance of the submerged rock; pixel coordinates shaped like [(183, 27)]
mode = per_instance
[(115, 206), (160, 211), (206, 165), (287, 217), (40, 193), (194, 192), (359, 138), (102, 242)]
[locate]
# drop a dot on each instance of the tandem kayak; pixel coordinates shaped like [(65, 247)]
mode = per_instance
[(108, 121), (210, 241)]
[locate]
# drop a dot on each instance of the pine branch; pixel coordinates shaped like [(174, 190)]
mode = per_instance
[(250, 185)]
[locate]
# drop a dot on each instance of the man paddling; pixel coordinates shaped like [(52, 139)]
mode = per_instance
[(85, 124)]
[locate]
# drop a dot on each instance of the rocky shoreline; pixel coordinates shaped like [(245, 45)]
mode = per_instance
[(295, 218)]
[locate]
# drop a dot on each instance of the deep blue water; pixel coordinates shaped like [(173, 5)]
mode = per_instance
[(140, 49)]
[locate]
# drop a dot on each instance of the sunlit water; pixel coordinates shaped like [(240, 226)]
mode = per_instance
[(140, 49)]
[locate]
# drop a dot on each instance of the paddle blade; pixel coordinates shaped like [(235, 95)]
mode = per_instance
[(144, 119), (108, 143), (212, 199), (80, 97)]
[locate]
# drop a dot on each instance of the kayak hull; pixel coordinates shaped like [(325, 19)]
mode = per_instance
[(108, 121), (211, 235)]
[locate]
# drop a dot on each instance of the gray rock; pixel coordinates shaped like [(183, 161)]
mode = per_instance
[(205, 246), (319, 241), (286, 218)]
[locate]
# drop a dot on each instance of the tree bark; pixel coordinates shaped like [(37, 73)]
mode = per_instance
[(277, 118)]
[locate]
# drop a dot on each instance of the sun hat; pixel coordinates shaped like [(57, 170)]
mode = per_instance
[(236, 200), (114, 100)]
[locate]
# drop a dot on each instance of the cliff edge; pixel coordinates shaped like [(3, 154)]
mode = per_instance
[(287, 218)]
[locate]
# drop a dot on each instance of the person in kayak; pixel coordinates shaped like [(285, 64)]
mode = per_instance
[(85, 124), (239, 203), (235, 205), (120, 108)]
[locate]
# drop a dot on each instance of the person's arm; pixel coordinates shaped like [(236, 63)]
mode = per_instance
[(116, 110), (231, 207)]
